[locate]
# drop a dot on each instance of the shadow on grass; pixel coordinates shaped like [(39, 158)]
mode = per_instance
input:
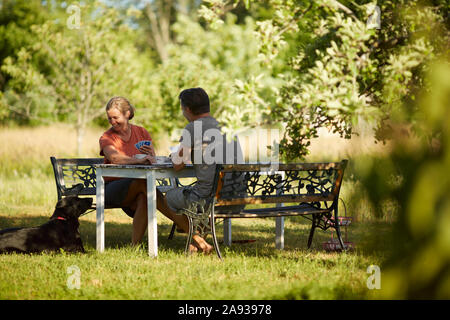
[(252, 239)]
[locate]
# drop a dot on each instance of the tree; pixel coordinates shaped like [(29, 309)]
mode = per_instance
[(86, 66), (413, 179), (398, 76), (342, 70), (16, 18), (155, 19), (215, 60)]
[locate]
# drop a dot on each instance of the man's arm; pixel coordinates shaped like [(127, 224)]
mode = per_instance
[(181, 157)]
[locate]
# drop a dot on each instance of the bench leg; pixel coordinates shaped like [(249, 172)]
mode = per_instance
[(193, 226), (339, 236), (338, 229), (227, 232), (313, 227)]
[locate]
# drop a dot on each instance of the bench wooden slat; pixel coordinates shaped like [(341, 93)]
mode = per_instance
[(86, 192), (80, 161), (274, 212), (285, 166), (274, 199)]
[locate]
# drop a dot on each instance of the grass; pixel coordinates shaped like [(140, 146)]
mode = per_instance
[(254, 270), (249, 271)]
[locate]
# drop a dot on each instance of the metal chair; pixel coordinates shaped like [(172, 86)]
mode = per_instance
[(200, 215)]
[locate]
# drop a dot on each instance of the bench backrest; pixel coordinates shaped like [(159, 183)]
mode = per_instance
[(300, 182), (71, 172), (77, 176)]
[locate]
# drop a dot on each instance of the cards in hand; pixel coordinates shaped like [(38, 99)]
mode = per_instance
[(142, 143)]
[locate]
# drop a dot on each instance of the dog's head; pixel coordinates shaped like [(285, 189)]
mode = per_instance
[(71, 207)]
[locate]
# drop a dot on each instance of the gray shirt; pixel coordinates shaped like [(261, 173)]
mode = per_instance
[(208, 147)]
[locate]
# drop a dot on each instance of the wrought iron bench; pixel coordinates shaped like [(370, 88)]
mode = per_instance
[(311, 189)]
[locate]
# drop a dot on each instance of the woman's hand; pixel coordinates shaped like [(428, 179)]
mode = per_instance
[(147, 160), (148, 150)]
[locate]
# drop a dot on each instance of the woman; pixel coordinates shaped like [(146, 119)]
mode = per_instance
[(117, 145)]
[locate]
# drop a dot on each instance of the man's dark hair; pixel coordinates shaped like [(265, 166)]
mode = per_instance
[(195, 99)]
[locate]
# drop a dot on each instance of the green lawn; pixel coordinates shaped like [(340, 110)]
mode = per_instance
[(249, 271)]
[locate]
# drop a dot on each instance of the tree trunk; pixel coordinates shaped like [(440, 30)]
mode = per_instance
[(80, 129), (160, 26)]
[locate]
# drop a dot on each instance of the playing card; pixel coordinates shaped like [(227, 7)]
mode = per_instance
[(142, 143)]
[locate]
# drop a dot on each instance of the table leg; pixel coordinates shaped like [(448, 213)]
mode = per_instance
[(279, 221), (100, 204), (151, 207), (279, 238)]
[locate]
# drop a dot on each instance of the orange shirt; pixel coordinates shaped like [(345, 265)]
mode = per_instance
[(128, 148), (125, 147)]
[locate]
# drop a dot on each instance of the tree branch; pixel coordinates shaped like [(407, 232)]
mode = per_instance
[(294, 19), (337, 5)]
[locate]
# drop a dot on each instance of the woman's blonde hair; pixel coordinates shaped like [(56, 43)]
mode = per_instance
[(121, 104)]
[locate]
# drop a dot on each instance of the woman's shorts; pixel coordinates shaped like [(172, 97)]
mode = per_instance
[(115, 193)]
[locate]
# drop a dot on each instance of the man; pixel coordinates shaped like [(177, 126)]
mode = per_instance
[(204, 146)]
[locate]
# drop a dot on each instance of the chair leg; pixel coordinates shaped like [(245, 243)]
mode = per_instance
[(190, 235), (213, 233), (198, 222)]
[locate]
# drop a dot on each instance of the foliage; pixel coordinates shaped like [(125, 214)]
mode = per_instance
[(86, 66), (342, 71), (16, 18), (398, 77), (216, 61), (414, 176), (58, 88)]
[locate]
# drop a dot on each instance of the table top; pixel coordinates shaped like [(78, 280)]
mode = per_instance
[(237, 167), (139, 166)]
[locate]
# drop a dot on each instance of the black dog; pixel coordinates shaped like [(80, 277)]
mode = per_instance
[(61, 232)]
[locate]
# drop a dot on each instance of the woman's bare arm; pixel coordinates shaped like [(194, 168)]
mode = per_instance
[(116, 157)]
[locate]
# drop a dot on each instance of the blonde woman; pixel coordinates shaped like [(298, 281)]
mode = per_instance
[(117, 145)]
